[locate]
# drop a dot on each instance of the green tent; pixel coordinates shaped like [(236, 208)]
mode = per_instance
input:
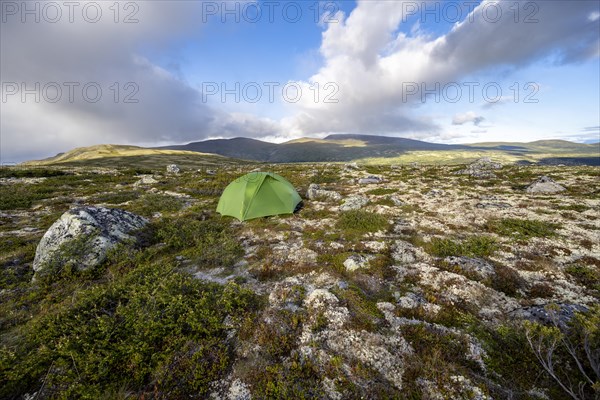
[(258, 194)]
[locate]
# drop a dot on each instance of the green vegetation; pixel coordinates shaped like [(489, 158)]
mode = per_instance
[(507, 280), (474, 246), (359, 222), (381, 191), (209, 243), (569, 355), (151, 203), (152, 329), (523, 229), (588, 276), (141, 325)]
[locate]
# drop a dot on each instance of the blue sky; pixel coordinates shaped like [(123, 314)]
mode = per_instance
[(368, 50)]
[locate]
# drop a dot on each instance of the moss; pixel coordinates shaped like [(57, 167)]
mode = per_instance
[(298, 378), (115, 197)]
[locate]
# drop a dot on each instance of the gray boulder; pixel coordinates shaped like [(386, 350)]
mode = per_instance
[(478, 268), (173, 169), (354, 203), (544, 184), (146, 180), (315, 192), (397, 201), (371, 179), (91, 231), (555, 314)]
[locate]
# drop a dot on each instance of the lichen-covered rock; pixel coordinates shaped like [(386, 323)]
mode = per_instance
[(356, 261), (354, 203), (239, 391), (404, 252), (544, 184), (315, 192), (559, 314), (397, 201), (93, 230), (146, 180), (481, 168), (173, 169), (475, 267), (371, 179)]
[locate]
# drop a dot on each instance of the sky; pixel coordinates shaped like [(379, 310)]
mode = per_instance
[(167, 72)]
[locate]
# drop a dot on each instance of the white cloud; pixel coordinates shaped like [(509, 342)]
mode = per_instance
[(381, 73), (470, 116)]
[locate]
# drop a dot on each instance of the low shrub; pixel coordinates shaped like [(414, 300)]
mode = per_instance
[(358, 222)]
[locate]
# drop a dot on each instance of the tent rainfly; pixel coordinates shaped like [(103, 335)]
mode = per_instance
[(258, 194)]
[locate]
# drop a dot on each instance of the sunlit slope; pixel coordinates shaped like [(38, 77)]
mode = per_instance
[(109, 155)]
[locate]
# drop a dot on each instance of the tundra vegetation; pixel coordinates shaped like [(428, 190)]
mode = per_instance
[(442, 285)]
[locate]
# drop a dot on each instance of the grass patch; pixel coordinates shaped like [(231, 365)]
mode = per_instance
[(523, 229), (474, 246), (358, 222), (381, 191)]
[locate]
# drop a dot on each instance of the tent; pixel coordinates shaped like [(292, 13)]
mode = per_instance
[(258, 194)]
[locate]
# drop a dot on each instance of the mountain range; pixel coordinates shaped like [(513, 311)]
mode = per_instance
[(342, 148)]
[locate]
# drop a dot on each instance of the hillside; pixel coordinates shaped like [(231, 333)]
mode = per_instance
[(382, 149), (331, 148), (110, 155)]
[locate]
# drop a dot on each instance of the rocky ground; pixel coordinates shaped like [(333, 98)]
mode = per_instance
[(408, 281)]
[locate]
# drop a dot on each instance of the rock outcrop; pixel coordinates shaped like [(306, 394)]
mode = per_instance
[(371, 179), (354, 203), (481, 168), (145, 180), (544, 184), (83, 236), (315, 192), (173, 169)]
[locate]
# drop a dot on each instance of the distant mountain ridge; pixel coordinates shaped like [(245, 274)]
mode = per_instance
[(331, 148), (348, 147)]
